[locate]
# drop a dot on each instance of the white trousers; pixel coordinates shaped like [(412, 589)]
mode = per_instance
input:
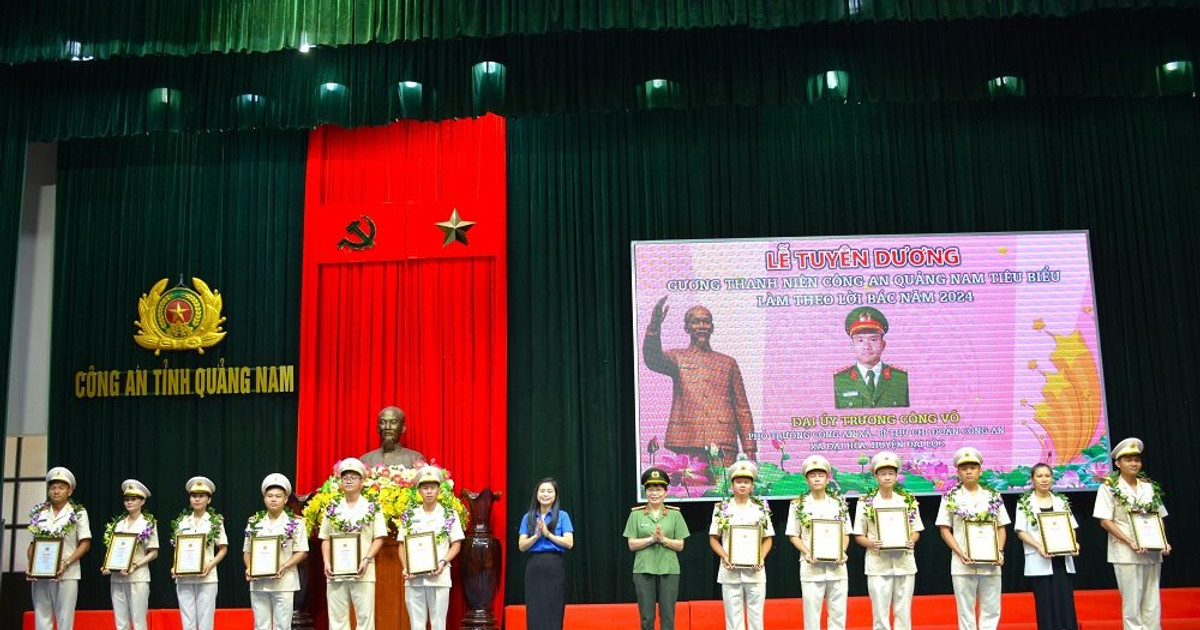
[(744, 603), (197, 605), (54, 601), (339, 595), (1140, 604), (831, 593), (427, 604), (891, 601), (272, 610), (129, 601), (984, 589)]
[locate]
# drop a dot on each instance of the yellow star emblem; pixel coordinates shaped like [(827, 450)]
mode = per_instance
[(455, 229)]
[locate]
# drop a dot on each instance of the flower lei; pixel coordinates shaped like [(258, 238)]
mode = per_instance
[(724, 513), (39, 528), (289, 530), (339, 524), (910, 502), (1025, 504), (404, 521), (214, 525), (806, 519), (989, 514), (142, 536), (1131, 503)]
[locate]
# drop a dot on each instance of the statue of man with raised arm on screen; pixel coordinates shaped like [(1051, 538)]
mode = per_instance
[(709, 403)]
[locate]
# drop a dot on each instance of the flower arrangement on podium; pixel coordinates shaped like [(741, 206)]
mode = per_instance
[(393, 487)]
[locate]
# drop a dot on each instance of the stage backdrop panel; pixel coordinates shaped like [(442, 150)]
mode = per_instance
[(221, 207), (410, 320), (984, 340)]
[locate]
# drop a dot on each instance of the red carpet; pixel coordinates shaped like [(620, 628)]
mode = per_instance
[(1097, 610)]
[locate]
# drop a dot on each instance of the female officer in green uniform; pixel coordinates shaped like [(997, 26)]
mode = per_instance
[(655, 533)]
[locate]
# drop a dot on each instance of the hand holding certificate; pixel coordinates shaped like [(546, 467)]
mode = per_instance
[(892, 527), (345, 555), (420, 553), (266, 556), (1058, 537), (983, 541), (119, 557), (744, 546), (827, 542), (47, 556), (190, 552), (1148, 531)]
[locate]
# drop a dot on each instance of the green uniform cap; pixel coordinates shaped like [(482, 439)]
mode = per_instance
[(866, 319)]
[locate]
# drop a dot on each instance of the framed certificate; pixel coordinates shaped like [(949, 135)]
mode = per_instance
[(266, 556), (743, 545), (826, 542), (983, 541), (893, 527), (345, 554), (119, 556), (420, 553), (1058, 537), (47, 556), (190, 552), (1148, 531)]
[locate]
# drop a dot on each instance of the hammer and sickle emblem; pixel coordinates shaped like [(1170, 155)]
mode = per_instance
[(365, 240)]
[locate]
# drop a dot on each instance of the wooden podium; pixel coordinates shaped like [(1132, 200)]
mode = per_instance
[(390, 611)]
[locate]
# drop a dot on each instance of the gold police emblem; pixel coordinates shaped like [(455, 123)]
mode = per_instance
[(179, 318)]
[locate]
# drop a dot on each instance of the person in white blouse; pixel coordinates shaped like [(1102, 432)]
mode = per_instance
[(130, 588), (1125, 494), (973, 502), (427, 596), (1049, 576), (743, 588), (891, 573), (271, 598), (58, 518), (822, 582), (197, 594), (352, 514)]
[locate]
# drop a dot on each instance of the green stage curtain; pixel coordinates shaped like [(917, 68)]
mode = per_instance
[(12, 189), (1090, 56), (39, 31), (228, 210), (590, 184)]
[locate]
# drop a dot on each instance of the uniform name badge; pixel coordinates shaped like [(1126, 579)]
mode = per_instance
[(345, 554), (119, 557), (983, 541), (826, 542), (1148, 531), (420, 553), (47, 556), (1058, 537), (266, 556), (743, 545), (190, 550), (892, 527)]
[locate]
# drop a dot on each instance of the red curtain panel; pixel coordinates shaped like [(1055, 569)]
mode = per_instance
[(391, 314)]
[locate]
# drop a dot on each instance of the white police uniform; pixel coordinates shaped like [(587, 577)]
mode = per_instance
[(271, 599), (54, 600), (976, 582), (340, 592), (131, 593)]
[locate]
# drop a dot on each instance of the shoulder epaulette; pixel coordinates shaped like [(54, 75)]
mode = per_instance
[(637, 507)]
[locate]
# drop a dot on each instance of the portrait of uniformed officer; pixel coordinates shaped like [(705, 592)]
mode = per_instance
[(869, 382)]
